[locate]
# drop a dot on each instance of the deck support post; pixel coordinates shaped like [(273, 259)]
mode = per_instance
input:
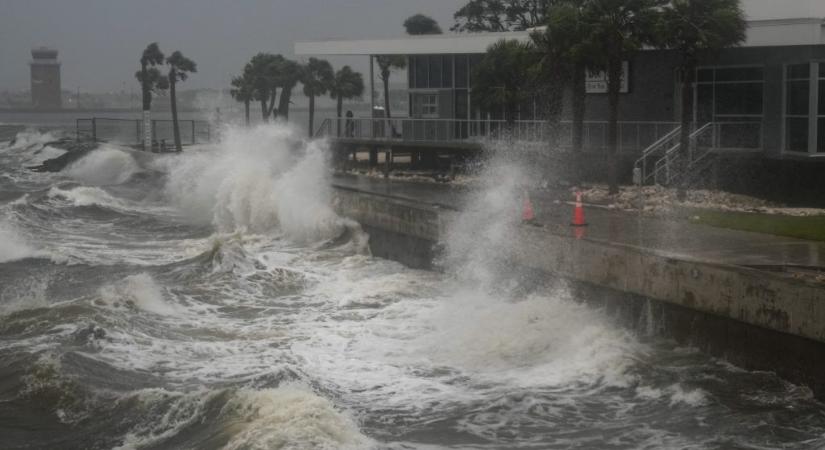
[(373, 156)]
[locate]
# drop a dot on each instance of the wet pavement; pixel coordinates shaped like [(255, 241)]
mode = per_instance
[(675, 237)]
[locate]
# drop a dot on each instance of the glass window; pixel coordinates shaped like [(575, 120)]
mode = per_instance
[(739, 99), (429, 105), (435, 71), (821, 70), (474, 60), (739, 74), (461, 104), (798, 97), (461, 71), (820, 146), (421, 72), (822, 97), (704, 103), (411, 72), (447, 71), (799, 72), (796, 131), (705, 76)]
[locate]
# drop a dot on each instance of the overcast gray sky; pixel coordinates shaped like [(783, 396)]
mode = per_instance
[(100, 40)]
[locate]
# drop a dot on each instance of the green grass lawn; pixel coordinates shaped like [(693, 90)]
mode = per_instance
[(811, 227)]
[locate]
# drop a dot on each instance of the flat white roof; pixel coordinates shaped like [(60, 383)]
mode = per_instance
[(761, 33), (409, 45)]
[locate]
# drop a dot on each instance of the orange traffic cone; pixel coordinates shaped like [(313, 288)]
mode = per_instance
[(527, 213), (578, 212)]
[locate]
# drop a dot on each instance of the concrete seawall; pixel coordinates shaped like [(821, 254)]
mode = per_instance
[(756, 319)]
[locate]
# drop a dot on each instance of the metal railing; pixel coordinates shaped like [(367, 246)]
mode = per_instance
[(667, 165), (130, 131), (709, 140), (632, 136)]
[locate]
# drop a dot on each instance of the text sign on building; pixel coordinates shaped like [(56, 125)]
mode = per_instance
[(596, 82)]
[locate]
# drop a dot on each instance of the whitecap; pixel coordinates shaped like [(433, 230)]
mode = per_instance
[(104, 166), (140, 292)]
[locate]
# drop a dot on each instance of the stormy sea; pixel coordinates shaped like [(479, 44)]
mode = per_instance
[(213, 299)]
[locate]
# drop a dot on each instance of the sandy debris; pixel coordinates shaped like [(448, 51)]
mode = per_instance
[(658, 199), (417, 176)]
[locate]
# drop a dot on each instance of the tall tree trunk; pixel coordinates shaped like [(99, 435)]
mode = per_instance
[(311, 115), (272, 104), (264, 109), (246, 111), (145, 87), (385, 77), (146, 90), (689, 70), (579, 99), (555, 97), (283, 102), (614, 84), (175, 127), (386, 80), (338, 110)]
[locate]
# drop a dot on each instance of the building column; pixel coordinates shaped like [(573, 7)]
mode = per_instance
[(372, 86)]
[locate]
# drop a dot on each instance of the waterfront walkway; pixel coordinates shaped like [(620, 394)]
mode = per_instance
[(676, 237)]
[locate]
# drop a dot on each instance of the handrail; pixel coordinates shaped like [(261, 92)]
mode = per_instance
[(326, 124), (665, 162), (654, 147)]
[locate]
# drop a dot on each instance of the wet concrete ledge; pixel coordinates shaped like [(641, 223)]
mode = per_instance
[(756, 319)]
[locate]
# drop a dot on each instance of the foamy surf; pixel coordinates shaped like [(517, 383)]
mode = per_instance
[(14, 246), (214, 300), (258, 180), (103, 166)]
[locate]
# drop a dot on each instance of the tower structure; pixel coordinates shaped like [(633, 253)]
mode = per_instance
[(45, 78)]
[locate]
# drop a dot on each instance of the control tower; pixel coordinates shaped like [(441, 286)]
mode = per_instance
[(45, 78)]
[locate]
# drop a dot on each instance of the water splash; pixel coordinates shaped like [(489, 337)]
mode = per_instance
[(14, 246), (258, 180), (104, 166)]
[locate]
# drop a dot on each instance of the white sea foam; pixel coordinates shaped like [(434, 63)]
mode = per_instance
[(104, 166), (140, 292), (288, 417), (14, 246), (87, 196), (257, 179), (25, 293), (41, 155), (31, 138), (291, 416)]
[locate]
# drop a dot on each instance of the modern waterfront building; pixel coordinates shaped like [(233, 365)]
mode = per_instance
[(45, 78), (764, 99)]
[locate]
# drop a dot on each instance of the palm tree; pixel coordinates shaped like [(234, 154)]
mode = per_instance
[(694, 27), (179, 69), (151, 81), (288, 75), (419, 24), (504, 76), (317, 78), (567, 52), (620, 27), (243, 91), (347, 84), (386, 63), (261, 70)]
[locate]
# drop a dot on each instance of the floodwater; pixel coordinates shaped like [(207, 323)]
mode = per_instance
[(213, 299)]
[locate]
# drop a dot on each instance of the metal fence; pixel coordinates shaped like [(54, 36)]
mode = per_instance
[(130, 131), (632, 136)]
